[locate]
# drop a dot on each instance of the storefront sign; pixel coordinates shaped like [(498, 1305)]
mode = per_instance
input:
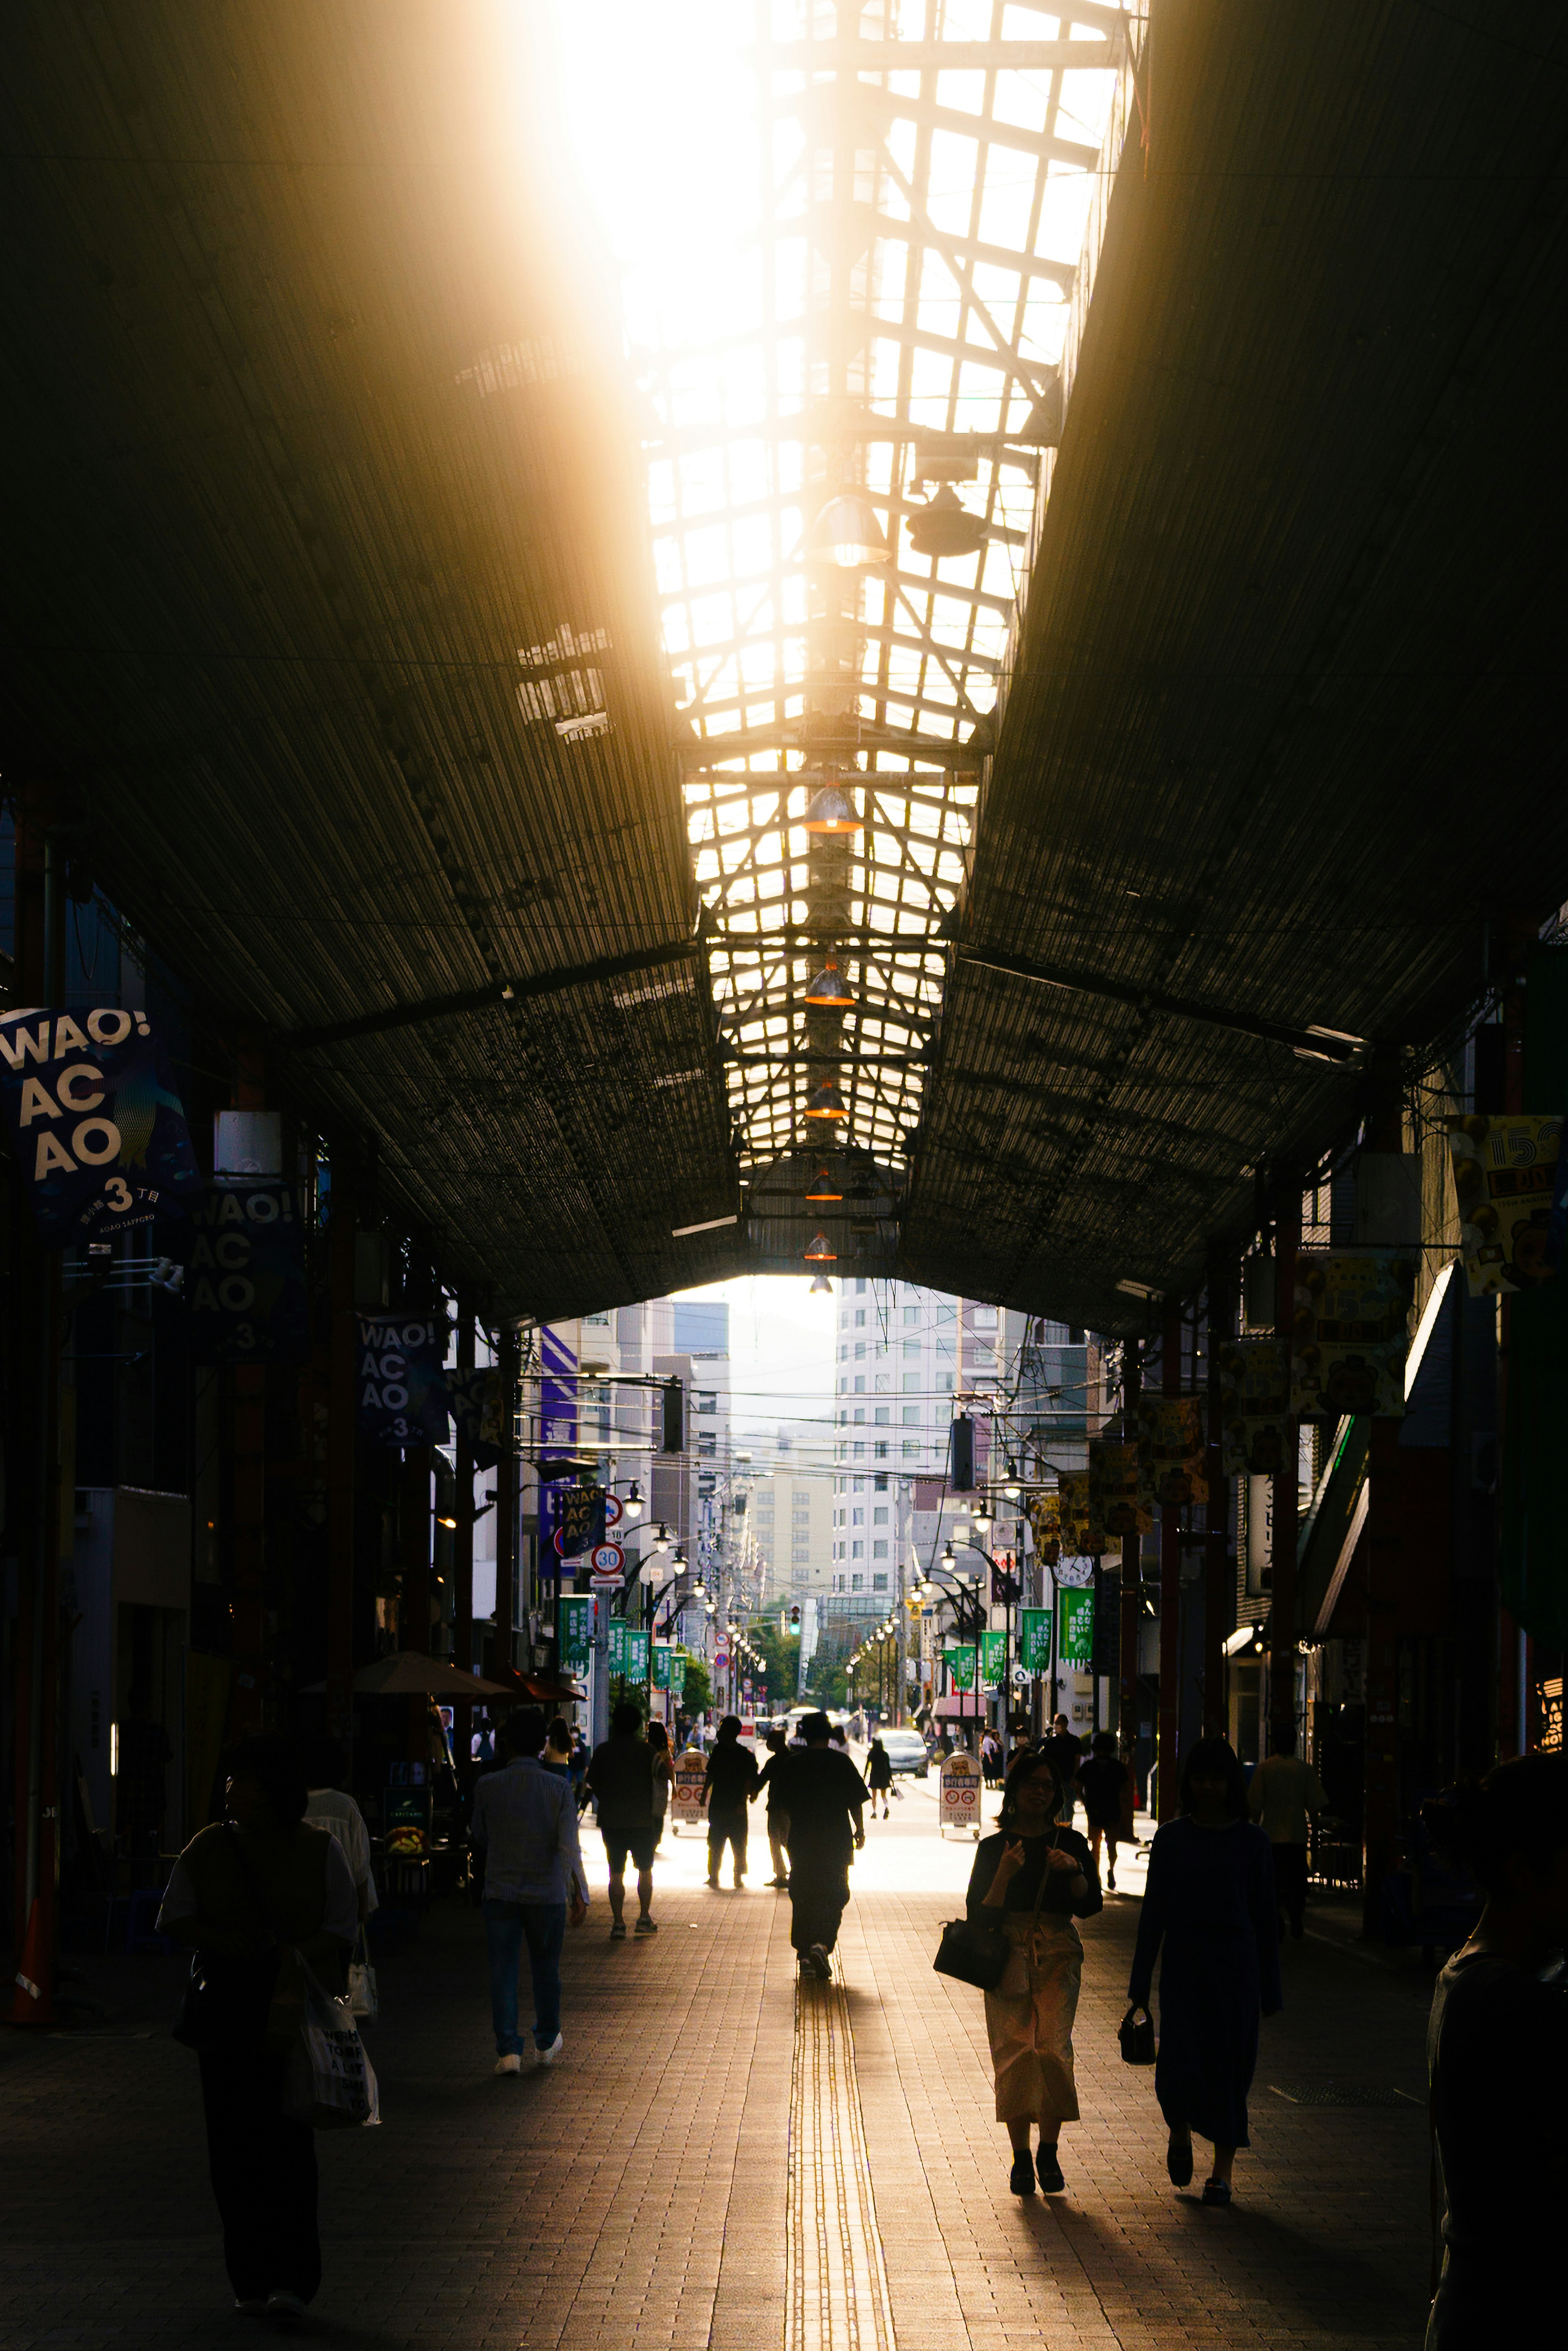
[(1076, 1628), (958, 1794), (634, 1655), (574, 1629), (1034, 1640), (664, 1659), (993, 1659), (99, 1132), (615, 1644), (408, 1817), (686, 1794), (1254, 1405), (1505, 1175), (244, 1277), (402, 1384), (571, 1519), (1348, 1347), (1078, 1526), (1045, 1519)]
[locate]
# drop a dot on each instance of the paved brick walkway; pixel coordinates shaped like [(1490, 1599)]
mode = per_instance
[(638, 2194)]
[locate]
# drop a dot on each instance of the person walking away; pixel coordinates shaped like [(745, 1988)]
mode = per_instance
[(1209, 1900), (525, 1829), (620, 1782), (253, 1895), (1066, 1754), (663, 1778), (825, 1798), (1285, 1790), (556, 1757), (878, 1776), (1102, 1779), (777, 1819), (1496, 2056), (1040, 1878), (329, 1806), (729, 1785), (581, 1758)]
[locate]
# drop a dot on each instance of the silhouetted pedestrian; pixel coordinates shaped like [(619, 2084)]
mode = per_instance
[(1284, 1794), (1101, 1783), (878, 1776), (778, 1818), (525, 1831), (825, 1798), (620, 1782), (729, 1785)]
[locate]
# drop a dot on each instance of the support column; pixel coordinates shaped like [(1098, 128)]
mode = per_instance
[(1385, 1543), (1513, 1662), (1132, 1595), (1221, 1309), (1287, 1492), (343, 1442), (1170, 1593), (247, 1424), (463, 1542), (506, 1506)]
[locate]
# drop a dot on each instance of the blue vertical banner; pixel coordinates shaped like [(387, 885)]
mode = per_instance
[(402, 1380), (99, 1132), (558, 1394), (245, 1279)]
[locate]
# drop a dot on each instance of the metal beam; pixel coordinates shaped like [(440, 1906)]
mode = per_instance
[(1322, 1045), (496, 993), (941, 56)]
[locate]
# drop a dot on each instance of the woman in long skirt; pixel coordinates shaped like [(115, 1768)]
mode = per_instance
[(1039, 1875), (1209, 1899)]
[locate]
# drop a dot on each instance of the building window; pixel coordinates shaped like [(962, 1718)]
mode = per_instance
[(882, 1416), (882, 1384), (707, 1399), (879, 1516), (860, 1351), (911, 1418), (857, 1518), (857, 1550), (879, 1584), (857, 1583), (838, 1584), (882, 1447), (879, 1483), (707, 1441), (860, 1288), (860, 1413), (860, 1384), (879, 1550), (911, 1347), (911, 1447), (860, 1318), (911, 1315), (857, 1452)]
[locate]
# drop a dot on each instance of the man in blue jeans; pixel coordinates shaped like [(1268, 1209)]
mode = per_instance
[(525, 1826)]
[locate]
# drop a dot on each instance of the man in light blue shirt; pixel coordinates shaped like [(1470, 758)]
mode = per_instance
[(524, 1827)]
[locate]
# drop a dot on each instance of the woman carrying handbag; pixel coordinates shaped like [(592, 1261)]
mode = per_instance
[(1034, 1878)]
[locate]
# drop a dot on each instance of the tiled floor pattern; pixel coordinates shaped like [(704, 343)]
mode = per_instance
[(636, 2196)]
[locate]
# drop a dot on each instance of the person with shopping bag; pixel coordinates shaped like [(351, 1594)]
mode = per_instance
[(1034, 1878), (268, 1906)]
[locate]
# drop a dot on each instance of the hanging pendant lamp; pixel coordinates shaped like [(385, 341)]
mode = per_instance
[(847, 533), (832, 811), (824, 1188), (821, 1251), (945, 527), (821, 1287), (826, 1102), (829, 988)]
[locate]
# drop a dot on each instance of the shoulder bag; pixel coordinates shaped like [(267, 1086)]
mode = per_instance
[(978, 1955)]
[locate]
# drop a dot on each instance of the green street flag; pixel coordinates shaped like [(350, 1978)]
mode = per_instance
[(574, 1623), (1077, 1627), (616, 1645), (634, 1651), (1034, 1640), (961, 1668), (663, 1654), (994, 1657)]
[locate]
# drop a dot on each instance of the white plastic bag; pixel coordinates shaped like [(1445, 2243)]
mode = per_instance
[(329, 2080), (363, 1997)]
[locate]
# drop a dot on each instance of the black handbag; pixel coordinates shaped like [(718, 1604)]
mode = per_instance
[(1136, 2035), (980, 1955)]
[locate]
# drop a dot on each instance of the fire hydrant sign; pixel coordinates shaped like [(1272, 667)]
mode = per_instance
[(99, 1132), (958, 1796)]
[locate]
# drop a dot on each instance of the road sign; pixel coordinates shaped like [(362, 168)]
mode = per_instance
[(615, 1511), (606, 1559)]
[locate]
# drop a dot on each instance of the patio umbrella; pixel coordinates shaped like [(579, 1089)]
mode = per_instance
[(405, 1673)]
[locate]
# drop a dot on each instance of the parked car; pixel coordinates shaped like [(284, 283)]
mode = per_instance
[(906, 1752)]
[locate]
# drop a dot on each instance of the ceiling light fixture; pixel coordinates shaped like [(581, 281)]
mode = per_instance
[(820, 1251), (821, 1287), (822, 1189), (847, 533), (832, 811), (945, 527), (826, 1102), (829, 988)]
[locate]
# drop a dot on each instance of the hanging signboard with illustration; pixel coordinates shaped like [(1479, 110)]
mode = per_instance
[(99, 1132), (1034, 1640), (1171, 1440), (1080, 1527), (1254, 1405), (1045, 1519), (1077, 1629), (572, 1521), (479, 1408), (961, 1667), (1114, 1504), (1352, 1317), (1505, 1175), (401, 1380), (574, 1629), (244, 1277)]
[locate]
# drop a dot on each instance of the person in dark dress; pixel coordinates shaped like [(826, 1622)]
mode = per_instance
[(878, 1776), (729, 1784), (825, 1799), (1209, 1899), (1102, 1783), (1066, 1754), (1496, 2056), (777, 1819), (1038, 1875)]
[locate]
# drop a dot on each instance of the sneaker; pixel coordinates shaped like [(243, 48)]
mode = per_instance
[(618, 1931), (1021, 2179), (547, 2056), (821, 1966), (1047, 2165), (646, 1926), (1216, 2191), (511, 2064), (287, 2311)]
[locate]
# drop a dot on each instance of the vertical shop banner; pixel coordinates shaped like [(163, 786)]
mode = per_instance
[(1045, 1519), (1078, 1523), (1505, 1178), (1034, 1640), (961, 1667), (244, 1277), (1077, 1629), (558, 1395), (575, 1513), (663, 1666), (615, 1644), (1352, 1317), (574, 1630), (479, 1408), (1171, 1441), (1115, 1507), (993, 1659), (402, 1382), (99, 1132), (1254, 1405), (634, 1655)]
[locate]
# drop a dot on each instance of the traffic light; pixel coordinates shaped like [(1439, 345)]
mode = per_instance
[(675, 1418), (961, 1475), (795, 1616)]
